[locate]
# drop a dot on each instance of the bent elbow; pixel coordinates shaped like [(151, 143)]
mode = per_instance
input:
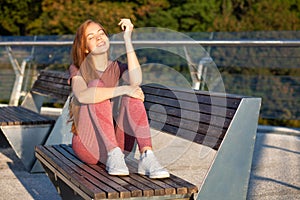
[(82, 99)]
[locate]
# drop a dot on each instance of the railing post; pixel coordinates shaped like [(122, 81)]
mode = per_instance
[(193, 71), (19, 72)]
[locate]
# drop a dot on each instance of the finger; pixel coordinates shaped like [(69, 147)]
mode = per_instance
[(122, 21), (123, 25)]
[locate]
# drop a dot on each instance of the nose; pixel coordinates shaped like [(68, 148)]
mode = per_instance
[(98, 36)]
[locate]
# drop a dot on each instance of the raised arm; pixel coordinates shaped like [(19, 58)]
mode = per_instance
[(134, 68)]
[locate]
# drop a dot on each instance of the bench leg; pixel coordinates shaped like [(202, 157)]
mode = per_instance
[(23, 139)]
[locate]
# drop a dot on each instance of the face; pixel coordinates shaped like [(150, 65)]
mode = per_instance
[(96, 40)]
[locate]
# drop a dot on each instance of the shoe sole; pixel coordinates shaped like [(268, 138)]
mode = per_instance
[(118, 173), (154, 177)]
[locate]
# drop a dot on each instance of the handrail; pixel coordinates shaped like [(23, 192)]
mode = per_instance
[(281, 43)]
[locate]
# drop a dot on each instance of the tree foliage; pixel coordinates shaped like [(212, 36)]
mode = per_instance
[(57, 17), (16, 16)]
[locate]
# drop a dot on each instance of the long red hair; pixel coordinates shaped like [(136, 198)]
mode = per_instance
[(79, 54)]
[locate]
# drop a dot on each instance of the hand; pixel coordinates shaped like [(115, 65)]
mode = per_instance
[(135, 92), (127, 27)]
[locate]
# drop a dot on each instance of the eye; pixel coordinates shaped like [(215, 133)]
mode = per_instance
[(101, 32), (91, 37)]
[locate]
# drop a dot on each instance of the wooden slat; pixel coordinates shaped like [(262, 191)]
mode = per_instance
[(52, 83), (91, 175), (137, 189), (100, 174), (155, 188), (200, 116), (189, 106), (186, 119), (72, 175), (9, 117), (135, 192), (36, 118), (149, 187), (4, 120), (159, 186), (212, 142), (202, 97), (14, 115), (87, 177), (147, 191)]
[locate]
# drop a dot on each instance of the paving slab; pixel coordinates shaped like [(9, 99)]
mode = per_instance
[(275, 170)]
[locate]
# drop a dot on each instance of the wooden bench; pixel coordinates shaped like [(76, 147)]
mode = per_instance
[(223, 122), (25, 127)]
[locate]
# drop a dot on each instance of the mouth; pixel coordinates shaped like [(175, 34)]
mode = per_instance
[(101, 44)]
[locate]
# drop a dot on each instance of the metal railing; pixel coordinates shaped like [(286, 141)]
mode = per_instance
[(293, 44), (249, 43)]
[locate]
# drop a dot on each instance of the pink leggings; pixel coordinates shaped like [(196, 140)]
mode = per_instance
[(131, 124)]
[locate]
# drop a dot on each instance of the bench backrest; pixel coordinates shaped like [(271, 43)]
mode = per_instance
[(199, 116), (53, 84), (224, 122)]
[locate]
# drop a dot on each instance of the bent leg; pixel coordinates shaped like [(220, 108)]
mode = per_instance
[(102, 119), (96, 128), (133, 121), (81, 152)]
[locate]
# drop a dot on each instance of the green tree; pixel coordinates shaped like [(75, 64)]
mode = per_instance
[(57, 17), (155, 14), (255, 15), (64, 17), (186, 16), (273, 15), (195, 15), (16, 16)]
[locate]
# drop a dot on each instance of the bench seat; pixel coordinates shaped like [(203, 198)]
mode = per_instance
[(93, 182), (17, 115)]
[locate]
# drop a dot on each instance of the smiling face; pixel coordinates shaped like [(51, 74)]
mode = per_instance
[(97, 41)]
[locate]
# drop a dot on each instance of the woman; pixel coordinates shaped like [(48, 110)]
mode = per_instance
[(94, 79)]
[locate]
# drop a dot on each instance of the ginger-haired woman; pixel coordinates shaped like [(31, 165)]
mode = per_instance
[(95, 82)]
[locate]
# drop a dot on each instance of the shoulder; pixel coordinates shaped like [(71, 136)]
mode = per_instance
[(122, 66), (73, 71)]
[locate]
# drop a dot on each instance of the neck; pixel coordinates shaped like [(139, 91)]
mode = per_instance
[(100, 61)]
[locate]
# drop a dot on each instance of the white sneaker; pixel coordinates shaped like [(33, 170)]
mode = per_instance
[(115, 164), (148, 165)]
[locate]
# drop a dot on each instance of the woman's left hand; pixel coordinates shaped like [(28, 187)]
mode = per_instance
[(126, 26)]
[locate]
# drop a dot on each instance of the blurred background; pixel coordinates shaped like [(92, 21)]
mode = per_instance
[(248, 61)]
